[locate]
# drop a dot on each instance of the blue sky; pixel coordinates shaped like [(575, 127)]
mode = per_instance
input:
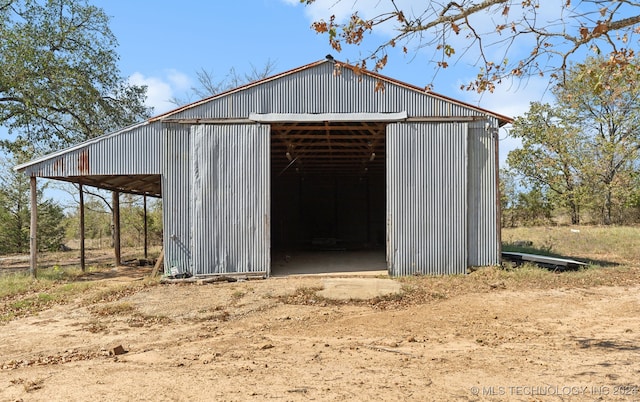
[(163, 43)]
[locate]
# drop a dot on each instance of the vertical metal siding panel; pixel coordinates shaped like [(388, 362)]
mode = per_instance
[(427, 202), (175, 198), (230, 198), (133, 152), (484, 242)]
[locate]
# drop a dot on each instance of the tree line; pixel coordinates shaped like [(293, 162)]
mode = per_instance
[(59, 226), (580, 154)]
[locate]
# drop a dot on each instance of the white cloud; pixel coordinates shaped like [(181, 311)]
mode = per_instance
[(160, 90), (180, 81)]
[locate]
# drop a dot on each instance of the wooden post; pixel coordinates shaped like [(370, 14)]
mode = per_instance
[(146, 242), (82, 252), (33, 245), (159, 264), (116, 227)]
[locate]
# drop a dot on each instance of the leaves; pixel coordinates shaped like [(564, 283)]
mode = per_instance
[(15, 213), (320, 27), (59, 81), (449, 51), (557, 36)]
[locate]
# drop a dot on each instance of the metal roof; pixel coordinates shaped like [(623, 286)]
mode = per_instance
[(502, 119), (128, 160)]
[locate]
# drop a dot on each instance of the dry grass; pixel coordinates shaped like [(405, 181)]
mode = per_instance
[(599, 245), (118, 308), (21, 295), (116, 292)]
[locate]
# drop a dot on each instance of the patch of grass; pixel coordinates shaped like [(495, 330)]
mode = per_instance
[(20, 283), (22, 304), (117, 292), (531, 276), (34, 303), (303, 295), (142, 320), (45, 297), (21, 295), (411, 293), (238, 294), (29, 385), (95, 326), (120, 308)]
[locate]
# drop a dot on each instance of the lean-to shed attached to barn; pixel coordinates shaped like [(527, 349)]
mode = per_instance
[(320, 157)]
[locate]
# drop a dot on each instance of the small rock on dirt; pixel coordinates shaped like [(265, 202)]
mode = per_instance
[(118, 350)]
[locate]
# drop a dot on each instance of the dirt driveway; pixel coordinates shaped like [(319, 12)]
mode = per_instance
[(276, 340)]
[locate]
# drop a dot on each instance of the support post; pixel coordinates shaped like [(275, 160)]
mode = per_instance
[(33, 245), (82, 251), (116, 227), (146, 233)]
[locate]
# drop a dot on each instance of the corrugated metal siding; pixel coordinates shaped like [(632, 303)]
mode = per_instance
[(426, 198), (137, 150), (230, 198), (319, 90), (484, 242), (175, 198)]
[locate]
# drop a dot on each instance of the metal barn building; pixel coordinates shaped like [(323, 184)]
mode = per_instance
[(322, 155)]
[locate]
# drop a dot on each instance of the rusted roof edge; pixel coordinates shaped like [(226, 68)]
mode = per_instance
[(76, 147)]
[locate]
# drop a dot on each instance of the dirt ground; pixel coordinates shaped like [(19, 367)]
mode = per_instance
[(252, 340)]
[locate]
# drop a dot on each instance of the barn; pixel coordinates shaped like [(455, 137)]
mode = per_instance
[(322, 157)]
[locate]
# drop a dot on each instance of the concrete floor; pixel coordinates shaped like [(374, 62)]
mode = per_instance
[(330, 262)]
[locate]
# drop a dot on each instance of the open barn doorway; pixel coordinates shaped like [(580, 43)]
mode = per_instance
[(327, 197)]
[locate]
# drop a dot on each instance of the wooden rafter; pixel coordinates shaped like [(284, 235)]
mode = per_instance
[(340, 147)]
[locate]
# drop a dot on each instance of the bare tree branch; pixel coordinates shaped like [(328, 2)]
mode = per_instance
[(455, 27)]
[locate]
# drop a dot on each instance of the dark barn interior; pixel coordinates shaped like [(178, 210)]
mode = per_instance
[(327, 192)]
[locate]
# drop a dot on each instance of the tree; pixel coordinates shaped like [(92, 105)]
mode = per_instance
[(209, 85), (508, 194), (98, 219), (494, 30), (520, 205), (15, 214), (585, 147), (551, 155), (59, 80), (603, 101)]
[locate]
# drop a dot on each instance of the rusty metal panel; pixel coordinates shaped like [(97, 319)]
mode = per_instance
[(483, 199), (324, 88), (426, 198), (135, 150), (230, 198), (176, 218)]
